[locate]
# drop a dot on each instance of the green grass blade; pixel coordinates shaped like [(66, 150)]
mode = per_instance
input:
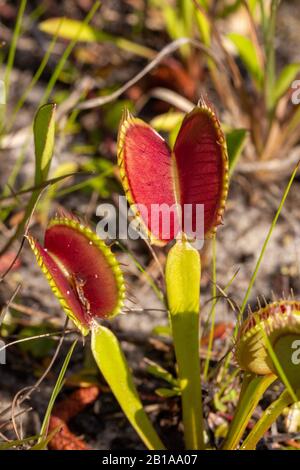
[(17, 443), (55, 392), (13, 46), (59, 67), (158, 371), (187, 14), (44, 132), (270, 76), (260, 259), (159, 294), (62, 170), (42, 445), (34, 80), (265, 244), (204, 27)]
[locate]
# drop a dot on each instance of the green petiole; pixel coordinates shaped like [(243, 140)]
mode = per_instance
[(183, 272)]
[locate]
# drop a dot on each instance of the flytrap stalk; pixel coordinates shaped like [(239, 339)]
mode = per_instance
[(183, 273), (193, 173)]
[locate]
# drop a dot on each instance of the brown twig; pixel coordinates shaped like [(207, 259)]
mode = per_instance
[(167, 50)]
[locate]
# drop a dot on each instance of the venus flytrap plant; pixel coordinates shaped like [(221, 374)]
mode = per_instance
[(85, 275), (277, 323), (87, 280), (193, 173), (264, 350)]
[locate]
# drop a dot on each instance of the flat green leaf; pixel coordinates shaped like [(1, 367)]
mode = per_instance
[(269, 31), (235, 140), (186, 11), (174, 133), (230, 9), (248, 55), (43, 130), (177, 19), (252, 5), (113, 366), (174, 26), (158, 371), (204, 27), (284, 81), (162, 330), (167, 121), (67, 28), (168, 392), (72, 30)]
